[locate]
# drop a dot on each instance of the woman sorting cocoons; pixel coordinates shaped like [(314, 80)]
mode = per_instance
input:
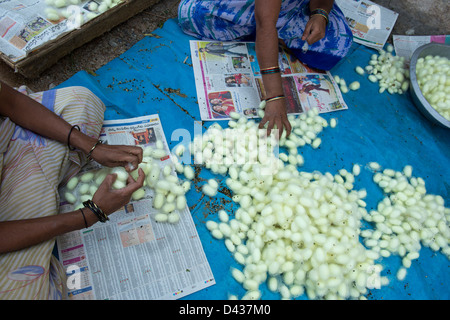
[(46, 138), (315, 31)]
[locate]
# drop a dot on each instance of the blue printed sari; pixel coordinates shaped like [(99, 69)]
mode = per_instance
[(234, 20)]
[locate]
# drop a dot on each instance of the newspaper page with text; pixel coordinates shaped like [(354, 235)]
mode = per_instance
[(228, 79), (371, 23), (406, 45), (132, 256)]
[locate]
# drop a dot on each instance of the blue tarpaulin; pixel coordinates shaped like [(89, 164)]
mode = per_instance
[(154, 77)]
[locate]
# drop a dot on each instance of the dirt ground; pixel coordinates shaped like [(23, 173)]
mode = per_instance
[(416, 17)]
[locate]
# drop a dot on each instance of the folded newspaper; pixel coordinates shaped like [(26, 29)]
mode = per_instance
[(131, 256), (371, 24)]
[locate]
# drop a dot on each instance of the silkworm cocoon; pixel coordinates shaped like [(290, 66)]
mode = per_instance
[(159, 153), (262, 104), (354, 85), (118, 184), (87, 177), (333, 122), (230, 245), (209, 190), (138, 194), (72, 183), (189, 172), (167, 170), (223, 216), (374, 166), (161, 217), (234, 115), (186, 186), (70, 197), (344, 89), (252, 295), (173, 217), (217, 234), (158, 201), (122, 174), (238, 275), (359, 70), (52, 16), (83, 188), (373, 78), (102, 7), (401, 274), (92, 189), (213, 183), (356, 170), (60, 3), (316, 143), (93, 6), (100, 176), (181, 202), (168, 207)]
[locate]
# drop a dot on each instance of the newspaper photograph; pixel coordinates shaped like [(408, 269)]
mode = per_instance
[(132, 256), (371, 24), (228, 79)]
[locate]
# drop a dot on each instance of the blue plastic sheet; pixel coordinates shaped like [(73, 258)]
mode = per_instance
[(154, 76)]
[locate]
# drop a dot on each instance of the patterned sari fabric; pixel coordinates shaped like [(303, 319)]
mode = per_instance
[(31, 168), (234, 20)]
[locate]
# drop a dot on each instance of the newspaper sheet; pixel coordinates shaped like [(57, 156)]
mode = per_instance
[(25, 24), (228, 78), (406, 45), (131, 256), (371, 23)]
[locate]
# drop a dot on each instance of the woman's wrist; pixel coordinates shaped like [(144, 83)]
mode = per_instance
[(80, 141)]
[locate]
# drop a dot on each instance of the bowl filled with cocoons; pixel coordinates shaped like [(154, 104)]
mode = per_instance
[(430, 82)]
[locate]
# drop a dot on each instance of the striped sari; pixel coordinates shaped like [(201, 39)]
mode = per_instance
[(234, 20), (32, 168)]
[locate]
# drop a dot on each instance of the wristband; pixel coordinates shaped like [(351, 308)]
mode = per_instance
[(101, 216), (270, 70), (275, 98), (320, 12)]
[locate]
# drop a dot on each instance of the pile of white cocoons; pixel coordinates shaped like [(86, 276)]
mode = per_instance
[(433, 78), (390, 71), (64, 9), (299, 232), (167, 190)]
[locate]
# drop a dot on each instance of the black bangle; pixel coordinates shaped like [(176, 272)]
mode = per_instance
[(84, 218), (101, 216), (68, 137)]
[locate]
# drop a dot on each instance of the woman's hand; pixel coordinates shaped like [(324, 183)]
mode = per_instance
[(315, 29), (128, 157), (275, 114), (111, 200)]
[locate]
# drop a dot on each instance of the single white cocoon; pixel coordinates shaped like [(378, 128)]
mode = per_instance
[(72, 183), (138, 194)]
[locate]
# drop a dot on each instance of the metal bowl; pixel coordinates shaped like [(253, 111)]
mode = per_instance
[(433, 49)]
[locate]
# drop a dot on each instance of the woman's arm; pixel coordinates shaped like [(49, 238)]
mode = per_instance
[(33, 116), (20, 234), (317, 25), (266, 15)]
